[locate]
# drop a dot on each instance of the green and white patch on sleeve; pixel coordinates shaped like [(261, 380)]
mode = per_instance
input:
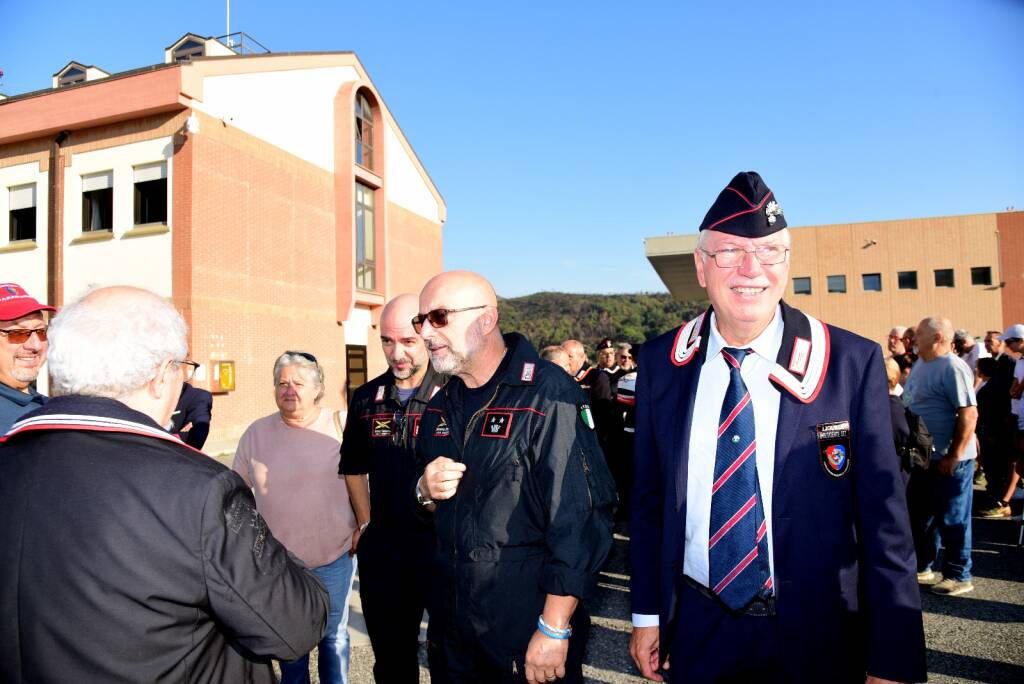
[(586, 416)]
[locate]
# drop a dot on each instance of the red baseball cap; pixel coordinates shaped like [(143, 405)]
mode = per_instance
[(15, 302)]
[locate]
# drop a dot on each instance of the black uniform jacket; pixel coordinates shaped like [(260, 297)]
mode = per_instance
[(379, 441), (192, 415), (533, 512), (131, 557)]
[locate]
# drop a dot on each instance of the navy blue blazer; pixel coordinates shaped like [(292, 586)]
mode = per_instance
[(846, 589)]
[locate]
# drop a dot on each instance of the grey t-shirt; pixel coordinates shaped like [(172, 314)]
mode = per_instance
[(934, 391)]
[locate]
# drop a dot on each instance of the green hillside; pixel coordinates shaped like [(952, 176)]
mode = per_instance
[(553, 317)]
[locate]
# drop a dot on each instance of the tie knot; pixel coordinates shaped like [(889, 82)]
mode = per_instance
[(734, 357)]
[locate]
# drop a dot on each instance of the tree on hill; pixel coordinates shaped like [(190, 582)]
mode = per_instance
[(553, 317)]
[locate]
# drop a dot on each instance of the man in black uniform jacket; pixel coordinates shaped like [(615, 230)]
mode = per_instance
[(191, 417), (378, 461), (130, 556), (523, 498)]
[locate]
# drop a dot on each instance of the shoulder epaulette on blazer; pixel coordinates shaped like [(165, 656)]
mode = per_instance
[(808, 358)]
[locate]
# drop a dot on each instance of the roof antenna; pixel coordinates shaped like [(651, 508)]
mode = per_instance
[(228, 31)]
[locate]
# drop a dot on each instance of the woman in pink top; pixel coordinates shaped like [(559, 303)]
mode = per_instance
[(290, 459)]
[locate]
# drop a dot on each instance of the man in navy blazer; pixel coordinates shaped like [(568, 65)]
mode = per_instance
[(772, 544)]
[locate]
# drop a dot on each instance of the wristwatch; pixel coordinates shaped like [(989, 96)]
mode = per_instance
[(362, 528), (419, 497)]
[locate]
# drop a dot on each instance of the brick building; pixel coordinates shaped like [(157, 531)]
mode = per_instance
[(870, 277), (272, 197)]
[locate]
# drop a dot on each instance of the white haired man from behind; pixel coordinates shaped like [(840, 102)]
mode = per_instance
[(131, 556)]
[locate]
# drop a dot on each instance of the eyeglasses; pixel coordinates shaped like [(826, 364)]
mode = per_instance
[(20, 336), (766, 255), (438, 317), (190, 368), (305, 355)]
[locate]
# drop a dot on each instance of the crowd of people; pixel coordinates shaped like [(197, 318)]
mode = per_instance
[(956, 423), (776, 505)]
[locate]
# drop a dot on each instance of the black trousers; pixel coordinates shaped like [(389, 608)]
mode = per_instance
[(712, 645), (457, 658), (394, 585)]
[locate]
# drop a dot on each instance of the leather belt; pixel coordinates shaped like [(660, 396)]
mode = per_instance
[(758, 607)]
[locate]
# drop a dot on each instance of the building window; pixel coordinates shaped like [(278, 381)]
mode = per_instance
[(23, 212), (355, 368), (981, 275), (836, 283), (366, 270), (364, 132), (801, 286), (187, 50), (151, 193), (943, 277), (98, 201), (71, 77), (872, 282), (907, 280)]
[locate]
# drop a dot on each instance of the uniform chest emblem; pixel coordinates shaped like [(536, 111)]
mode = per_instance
[(416, 426), (442, 429), (382, 427), (834, 447), (497, 424)]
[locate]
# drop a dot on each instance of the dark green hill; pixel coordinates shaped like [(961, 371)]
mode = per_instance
[(553, 317)]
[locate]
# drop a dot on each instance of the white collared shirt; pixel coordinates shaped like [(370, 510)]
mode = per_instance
[(711, 389)]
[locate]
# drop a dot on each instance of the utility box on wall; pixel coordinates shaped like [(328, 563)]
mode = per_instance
[(222, 378)]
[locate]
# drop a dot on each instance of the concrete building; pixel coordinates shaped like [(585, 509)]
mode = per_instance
[(272, 197), (870, 277)]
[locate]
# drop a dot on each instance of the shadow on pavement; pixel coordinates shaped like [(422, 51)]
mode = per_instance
[(977, 669)]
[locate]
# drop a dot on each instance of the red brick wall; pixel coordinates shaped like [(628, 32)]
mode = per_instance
[(1011, 254)]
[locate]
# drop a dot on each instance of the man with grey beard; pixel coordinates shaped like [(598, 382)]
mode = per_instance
[(521, 497)]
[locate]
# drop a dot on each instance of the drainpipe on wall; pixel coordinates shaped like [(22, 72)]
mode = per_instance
[(54, 234)]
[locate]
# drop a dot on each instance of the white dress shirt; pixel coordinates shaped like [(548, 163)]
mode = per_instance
[(711, 389)]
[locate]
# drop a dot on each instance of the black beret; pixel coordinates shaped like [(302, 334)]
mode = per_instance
[(746, 207), (606, 343)]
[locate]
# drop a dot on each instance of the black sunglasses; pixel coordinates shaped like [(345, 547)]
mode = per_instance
[(305, 355), (438, 317)]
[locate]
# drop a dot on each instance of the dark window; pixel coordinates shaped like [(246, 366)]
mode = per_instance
[(872, 282), (355, 368), (943, 277), (187, 50), (23, 212), (364, 132), (801, 286), (907, 280), (151, 194), (366, 268), (71, 76), (836, 283), (981, 275), (98, 202)]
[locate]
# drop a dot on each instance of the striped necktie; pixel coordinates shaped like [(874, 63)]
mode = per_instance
[(738, 543)]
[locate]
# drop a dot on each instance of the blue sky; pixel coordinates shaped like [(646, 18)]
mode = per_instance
[(563, 133)]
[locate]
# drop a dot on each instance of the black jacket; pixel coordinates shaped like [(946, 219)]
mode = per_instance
[(192, 415), (533, 512), (130, 557), (380, 440)]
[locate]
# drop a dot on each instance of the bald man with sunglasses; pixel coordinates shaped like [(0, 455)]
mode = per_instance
[(23, 346), (521, 497)]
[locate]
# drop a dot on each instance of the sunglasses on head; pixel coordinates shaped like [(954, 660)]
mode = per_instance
[(20, 336), (438, 317), (305, 355)]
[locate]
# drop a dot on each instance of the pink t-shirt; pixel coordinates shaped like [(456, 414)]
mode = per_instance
[(294, 475)]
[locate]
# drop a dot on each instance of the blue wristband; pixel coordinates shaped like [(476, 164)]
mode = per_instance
[(552, 632)]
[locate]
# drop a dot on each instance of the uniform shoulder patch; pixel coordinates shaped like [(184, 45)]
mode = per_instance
[(380, 393), (586, 416), (527, 375)]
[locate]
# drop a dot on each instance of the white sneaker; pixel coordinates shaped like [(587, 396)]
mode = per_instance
[(927, 577), (951, 587)]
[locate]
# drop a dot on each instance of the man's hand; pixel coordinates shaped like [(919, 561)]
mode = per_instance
[(356, 534), (441, 478), (545, 658), (878, 680), (643, 646), (947, 464)]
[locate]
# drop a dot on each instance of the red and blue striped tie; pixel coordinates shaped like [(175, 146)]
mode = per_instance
[(738, 542)]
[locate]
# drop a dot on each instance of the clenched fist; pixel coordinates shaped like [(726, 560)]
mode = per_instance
[(441, 478)]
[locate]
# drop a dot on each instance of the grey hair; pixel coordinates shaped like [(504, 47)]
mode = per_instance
[(113, 347), (311, 369), (704, 235)]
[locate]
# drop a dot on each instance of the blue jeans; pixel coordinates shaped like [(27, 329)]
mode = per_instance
[(948, 521), (332, 662)]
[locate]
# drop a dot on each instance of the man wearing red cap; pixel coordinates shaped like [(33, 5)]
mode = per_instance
[(770, 535), (22, 352)]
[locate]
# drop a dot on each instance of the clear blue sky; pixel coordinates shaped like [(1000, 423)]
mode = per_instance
[(563, 133)]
